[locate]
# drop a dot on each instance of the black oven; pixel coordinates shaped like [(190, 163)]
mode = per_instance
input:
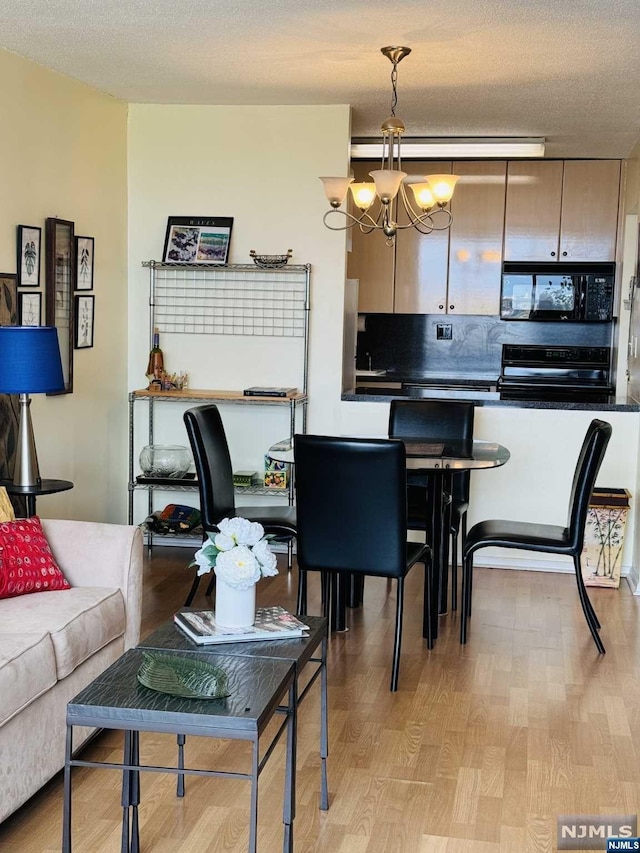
[(560, 373), (580, 293)]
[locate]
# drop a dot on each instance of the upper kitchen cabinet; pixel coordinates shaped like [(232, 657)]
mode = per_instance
[(565, 211), (422, 260), (475, 242), (590, 203), (370, 260)]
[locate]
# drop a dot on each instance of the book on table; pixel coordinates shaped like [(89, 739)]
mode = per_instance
[(272, 623), (263, 391)]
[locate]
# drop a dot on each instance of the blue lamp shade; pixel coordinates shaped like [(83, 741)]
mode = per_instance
[(30, 360)]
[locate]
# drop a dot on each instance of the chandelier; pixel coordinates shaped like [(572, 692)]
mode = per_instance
[(378, 202)]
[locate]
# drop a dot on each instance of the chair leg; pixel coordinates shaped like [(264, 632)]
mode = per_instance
[(211, 585), (302, 592), (467, 575), (454, 569), (587, 608), (395, 671), (193, 590)]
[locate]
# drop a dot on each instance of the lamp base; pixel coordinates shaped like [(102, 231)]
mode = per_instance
[(26, 472)]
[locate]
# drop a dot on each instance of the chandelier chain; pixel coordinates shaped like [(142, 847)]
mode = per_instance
[(394, 87)]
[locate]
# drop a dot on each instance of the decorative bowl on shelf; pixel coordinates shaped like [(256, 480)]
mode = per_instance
[(165, 460), (270, 261)]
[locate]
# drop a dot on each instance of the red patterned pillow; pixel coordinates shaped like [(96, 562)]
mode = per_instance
[(26, 562)]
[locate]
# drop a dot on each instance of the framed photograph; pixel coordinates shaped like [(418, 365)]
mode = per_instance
[(8, 299), (60, 263), (84, 263), (30, 308), (28, 265), (83, 336), (197, 240)]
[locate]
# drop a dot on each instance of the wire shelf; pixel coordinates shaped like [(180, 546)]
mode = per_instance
[(230, 300)]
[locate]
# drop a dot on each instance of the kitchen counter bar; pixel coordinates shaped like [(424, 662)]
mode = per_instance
[(489, 398)]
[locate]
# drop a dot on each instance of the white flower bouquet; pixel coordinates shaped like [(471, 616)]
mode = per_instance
[(239, 554)]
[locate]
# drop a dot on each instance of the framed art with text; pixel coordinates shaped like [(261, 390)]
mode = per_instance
[(60, 256), (197, 239), (84, 315), (30, 309), (28, 264), (84, 263)]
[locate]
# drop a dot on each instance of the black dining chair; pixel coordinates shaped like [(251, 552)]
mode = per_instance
[(215, 482), (352, 517), (546, 538), (437, 419)]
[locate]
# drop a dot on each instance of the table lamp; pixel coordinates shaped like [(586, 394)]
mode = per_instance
[(29, 364)]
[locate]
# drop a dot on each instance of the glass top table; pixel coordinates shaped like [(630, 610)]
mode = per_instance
[(431, 462)]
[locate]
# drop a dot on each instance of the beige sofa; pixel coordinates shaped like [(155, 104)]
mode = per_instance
[(52, 644)]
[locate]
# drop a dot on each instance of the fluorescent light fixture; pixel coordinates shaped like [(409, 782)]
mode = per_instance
[(421, 148)]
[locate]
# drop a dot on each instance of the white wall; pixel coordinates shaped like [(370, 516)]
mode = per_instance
[(259, 165), (63, 154)]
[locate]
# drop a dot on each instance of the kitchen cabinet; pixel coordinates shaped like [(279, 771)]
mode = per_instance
[(475, 238), (562, 210)]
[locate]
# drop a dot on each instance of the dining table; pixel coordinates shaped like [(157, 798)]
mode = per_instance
[(431, 463)]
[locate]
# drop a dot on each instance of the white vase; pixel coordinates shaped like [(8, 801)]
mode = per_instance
[(235, 608)]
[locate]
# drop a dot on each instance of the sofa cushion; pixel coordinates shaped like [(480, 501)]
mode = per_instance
[(80, 621), (27, 670), (26, 562)]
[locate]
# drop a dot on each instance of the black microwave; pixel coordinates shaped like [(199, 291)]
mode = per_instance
[(580, 293)]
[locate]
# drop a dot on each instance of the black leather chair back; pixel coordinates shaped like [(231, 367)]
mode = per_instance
[(589, 461), (213, 463), (351, 503), (431, 419)]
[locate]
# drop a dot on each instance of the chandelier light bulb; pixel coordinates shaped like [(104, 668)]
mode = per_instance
[(364, 194), (336, 189), (423, 195), (442, 186)]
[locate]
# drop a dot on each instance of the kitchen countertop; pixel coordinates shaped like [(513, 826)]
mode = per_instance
[(488, 398)]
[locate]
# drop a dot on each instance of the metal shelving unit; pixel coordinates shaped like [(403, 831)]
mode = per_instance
[(237, 299)]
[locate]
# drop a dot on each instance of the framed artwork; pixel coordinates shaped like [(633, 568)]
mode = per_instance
[(83, 333), (29, 247), (84, 263), (60, 262), (30, 309), (8, 299), (197, 239)]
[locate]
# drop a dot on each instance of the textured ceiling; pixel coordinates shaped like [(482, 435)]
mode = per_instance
[(568, 71)]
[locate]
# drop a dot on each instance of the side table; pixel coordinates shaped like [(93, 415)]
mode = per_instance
[(46, 487), (116, 700), (299, 651)]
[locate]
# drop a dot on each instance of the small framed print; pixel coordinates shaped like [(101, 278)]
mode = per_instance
[(84, 263), (197, 240), (84, 313), (8, 299), (30, 309), (28, 265)]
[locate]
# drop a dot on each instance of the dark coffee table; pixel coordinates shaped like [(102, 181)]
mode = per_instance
[(116, 700), (299, 651)]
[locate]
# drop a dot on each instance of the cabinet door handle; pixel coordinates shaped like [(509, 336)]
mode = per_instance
[(441, 307), (564, 254), (452, 307), (553, 254)]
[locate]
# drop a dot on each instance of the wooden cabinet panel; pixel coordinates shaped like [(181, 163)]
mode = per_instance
[(421, 259), (532, 217), (370, 260), (589, 221), (475, 242)]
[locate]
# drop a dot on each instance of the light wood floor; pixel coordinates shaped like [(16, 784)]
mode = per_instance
[(480, 750)]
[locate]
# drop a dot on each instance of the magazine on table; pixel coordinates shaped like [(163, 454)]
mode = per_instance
[(272, 623)]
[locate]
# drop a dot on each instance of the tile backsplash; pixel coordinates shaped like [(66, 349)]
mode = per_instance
[(412, 344)]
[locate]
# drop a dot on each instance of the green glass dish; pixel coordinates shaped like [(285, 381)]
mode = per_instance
[(190, 678)]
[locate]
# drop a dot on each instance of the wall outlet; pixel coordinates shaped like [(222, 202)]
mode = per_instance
[(444, 332)]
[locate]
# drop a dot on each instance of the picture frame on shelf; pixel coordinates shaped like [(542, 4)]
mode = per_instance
[(29, 244), (197, 240), (8, 299), (84, 318), (30, 309), (84, 263), (60, 258)]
